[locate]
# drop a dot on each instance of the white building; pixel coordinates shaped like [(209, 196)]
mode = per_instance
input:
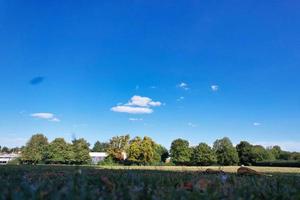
[(5, 158), (97, 156), (100, 156)]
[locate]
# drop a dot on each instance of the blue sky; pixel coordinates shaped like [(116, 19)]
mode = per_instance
[(198, 70)]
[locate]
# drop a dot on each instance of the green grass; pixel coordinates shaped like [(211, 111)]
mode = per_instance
[(69, 182)]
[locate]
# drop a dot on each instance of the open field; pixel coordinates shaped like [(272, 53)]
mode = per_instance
[(228, 169), (74, 182)]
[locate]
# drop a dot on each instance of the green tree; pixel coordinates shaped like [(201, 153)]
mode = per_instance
[(59, 151), (161, 153), (35, 149), (226, 152), (100, 147), (244, 150), (81, 151), (295, 156), (143, 151), (259, 153), (135, 150), (276, 151), (285, 155), (180, 152), (148, 150), (203, 155), (5, 150), (118, 146)]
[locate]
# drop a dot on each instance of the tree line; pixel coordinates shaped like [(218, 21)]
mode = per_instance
[(5, 149), (145, 151)]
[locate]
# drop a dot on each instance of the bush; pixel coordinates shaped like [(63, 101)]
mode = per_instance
[(108, 161)]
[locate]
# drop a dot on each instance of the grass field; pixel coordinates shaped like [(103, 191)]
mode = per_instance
[(228, 169), (73, 182)]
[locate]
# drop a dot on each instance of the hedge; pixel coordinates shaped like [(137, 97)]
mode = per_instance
[(279, 163)]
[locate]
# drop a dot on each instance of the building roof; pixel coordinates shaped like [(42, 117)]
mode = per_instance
[(98, 154)]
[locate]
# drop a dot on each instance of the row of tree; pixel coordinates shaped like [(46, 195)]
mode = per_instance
[(39, 150), (140, 151), (223, 152), (145, 151), (5, 149)]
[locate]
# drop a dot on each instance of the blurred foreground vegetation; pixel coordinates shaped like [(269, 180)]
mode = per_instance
[(74, 182)]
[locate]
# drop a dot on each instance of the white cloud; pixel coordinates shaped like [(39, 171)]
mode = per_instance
[(214, 88), (285, 145), (142, 101), (132, 110), (256, 124), (154, 103), (183, 86), (42, 115), (137, 105), (135, 119), (47, 116), (192, 125)]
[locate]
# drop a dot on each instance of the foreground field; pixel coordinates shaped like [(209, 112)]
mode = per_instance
[(67, 182)]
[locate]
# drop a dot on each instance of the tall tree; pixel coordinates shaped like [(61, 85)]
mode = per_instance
[(244, 150), (226, 152), (276, 151), (143, 151), (180, 151), (161, 153), (35, 149), (135, 150), (81, 151), (100, 147), (148, 154), (203, 155), (118, 146), (59, 151)]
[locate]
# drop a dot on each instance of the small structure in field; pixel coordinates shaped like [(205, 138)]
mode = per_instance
[(5, 158), (98, 156)]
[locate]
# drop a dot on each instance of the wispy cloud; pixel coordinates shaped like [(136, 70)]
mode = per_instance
[(256, 124), (190, 124), (142, 101), (183, 86), (135, 119), (214, 88), (47, 116), (132, 110), (137, 105)]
